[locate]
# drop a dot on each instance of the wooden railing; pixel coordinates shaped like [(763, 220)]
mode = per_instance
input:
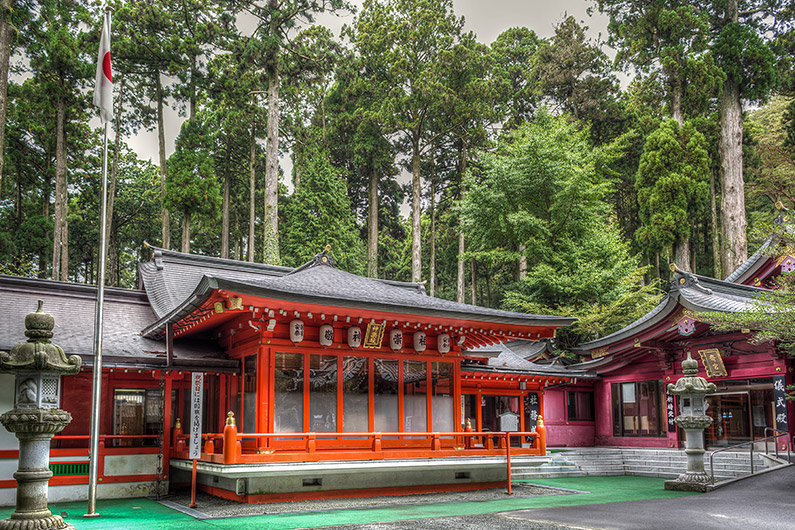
[(231, 447)]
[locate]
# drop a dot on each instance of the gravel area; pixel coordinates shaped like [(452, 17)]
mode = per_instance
[(497, 521), (209, 507)]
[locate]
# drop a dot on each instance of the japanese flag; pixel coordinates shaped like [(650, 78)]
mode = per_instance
[(103, 90)]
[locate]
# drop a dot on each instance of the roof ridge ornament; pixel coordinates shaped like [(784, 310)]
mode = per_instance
[(684, 279)]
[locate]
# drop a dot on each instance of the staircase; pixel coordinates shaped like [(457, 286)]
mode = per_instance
[(614, 461)]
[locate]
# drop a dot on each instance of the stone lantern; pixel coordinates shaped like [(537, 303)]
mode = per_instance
[(692, 390), (37, 366)]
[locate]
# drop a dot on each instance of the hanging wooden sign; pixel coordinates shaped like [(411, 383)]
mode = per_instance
[(713, 362), (374, 335)]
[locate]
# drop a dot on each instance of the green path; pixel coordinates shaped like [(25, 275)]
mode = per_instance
[(134, 514)]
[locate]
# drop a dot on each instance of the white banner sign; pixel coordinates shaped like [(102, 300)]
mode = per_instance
[(197, 395)]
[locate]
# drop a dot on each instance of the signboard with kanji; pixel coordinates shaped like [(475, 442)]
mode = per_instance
[(532, 408), (780, 401), (374, 335), (713, 362), (670, 412), (196, 397)]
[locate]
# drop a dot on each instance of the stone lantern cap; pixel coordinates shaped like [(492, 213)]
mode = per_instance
[(38, 354), (691, 383)]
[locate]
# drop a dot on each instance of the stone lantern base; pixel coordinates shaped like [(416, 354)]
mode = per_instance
[(34, 428)]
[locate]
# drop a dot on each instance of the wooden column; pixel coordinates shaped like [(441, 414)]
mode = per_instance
[(166, 441)]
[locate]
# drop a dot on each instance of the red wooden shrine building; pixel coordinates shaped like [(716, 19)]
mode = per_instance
[(627, 405), (325, 372)]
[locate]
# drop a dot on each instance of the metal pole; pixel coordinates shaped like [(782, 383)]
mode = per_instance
[(508, 459), (93, 449), (193, 486)]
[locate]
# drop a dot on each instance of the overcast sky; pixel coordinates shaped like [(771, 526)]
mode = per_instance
[(487, 18)]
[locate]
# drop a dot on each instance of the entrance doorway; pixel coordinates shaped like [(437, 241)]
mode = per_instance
[(501, 413), (731, 419)]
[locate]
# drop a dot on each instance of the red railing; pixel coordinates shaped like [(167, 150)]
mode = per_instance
[(231, 447)]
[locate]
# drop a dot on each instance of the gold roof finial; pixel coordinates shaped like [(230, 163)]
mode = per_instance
[(328, 248), (673, 267), (779, 205)]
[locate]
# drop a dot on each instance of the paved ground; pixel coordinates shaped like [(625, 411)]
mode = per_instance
[(764, 502)]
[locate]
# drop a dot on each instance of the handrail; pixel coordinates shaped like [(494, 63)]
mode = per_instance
[(751, 442), (771, 429)]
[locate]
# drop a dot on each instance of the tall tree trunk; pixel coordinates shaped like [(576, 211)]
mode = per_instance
[(460, 282), (522, 261), (252, 189), (733, 222), (65, 242), (5, 54), (682, 254), (161, 145), (474, 282), (372, 225), (432, 267), (459, 287), (60, 188), (225, 214), (186, 233), (270, 249), (416, 239), (715, 230), (193, 76), (676, 104), (114, 171)]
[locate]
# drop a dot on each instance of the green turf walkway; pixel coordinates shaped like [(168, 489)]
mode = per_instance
[(134, 514)]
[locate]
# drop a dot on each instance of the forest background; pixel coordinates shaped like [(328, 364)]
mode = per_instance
[(538, 182)]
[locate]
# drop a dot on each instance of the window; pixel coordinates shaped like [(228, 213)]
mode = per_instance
[(638, 409), (415, 396), (249, 423), (136, 411), (385, 394), (323, 393), (579, 406), (289, 393), (442, 400), (355, 395)]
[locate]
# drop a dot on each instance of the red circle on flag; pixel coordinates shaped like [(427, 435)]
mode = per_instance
[(106, 67)]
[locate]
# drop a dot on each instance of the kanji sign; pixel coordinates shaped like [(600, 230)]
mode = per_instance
[(197, 395), (713, 362), (374, 335)]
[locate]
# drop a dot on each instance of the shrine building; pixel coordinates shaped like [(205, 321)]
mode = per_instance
[(336, 384)]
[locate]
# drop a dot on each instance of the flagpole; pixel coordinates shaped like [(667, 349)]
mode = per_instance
[(96, 401)]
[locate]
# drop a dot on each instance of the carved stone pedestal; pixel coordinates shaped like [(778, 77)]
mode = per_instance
[(34, 429), (35, 419)]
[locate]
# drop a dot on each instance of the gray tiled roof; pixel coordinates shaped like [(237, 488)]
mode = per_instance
[(126, 312), (321, 283), (170, 277), (510, 362), (694, 292), (749, 266)]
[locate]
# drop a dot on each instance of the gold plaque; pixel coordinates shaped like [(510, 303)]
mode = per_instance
[(596, 354), (374, 335), (235, 303), (219, 307), (713, 362)]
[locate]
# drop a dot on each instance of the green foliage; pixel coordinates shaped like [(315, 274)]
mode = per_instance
[(544, 189), (746, 60), (319, 214), (191, 186), (771, 316), (672, 183)]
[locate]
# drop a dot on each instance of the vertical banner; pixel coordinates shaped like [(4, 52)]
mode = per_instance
[(531, 411), (780, 401), (197, 395), (670, 400)]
